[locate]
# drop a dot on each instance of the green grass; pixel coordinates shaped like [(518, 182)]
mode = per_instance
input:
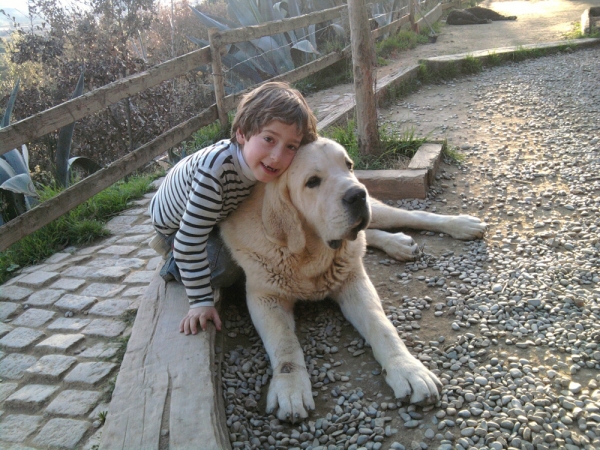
[(392, 146), (493, 59), (79, 226), (575, 32), (452, 153), (446, 72), (471, 65), (401, 41)]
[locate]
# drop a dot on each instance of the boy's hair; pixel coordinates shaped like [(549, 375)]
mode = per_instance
[(274, 101)]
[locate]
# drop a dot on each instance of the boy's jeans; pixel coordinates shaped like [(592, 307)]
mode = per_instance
[(224, 271)]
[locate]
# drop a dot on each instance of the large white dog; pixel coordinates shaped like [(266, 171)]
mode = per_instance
[(301, 237)]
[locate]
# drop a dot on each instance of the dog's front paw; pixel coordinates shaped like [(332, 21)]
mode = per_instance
[(466, 228), (290, 393), (410, 379), (401, 247)]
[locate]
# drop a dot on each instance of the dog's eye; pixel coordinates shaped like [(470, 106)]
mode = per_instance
[(313, 182), (349, 165)]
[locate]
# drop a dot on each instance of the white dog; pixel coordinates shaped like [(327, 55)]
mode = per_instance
[(301, 237)]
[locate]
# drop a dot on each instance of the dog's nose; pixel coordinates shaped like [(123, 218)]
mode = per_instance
[(355, 196)]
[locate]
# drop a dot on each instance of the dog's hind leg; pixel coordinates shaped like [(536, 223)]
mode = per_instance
[(405, 374), (290, 391), (384, 217)]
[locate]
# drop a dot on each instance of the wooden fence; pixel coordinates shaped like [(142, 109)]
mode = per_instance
[(68, 112)]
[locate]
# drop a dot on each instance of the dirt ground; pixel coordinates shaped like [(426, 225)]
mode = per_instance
[(538, 22)]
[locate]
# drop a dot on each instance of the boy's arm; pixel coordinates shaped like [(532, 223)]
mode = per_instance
[(203, 211)]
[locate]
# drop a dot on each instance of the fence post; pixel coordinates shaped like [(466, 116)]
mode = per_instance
[(345, 20), (362, 65), (411, 13), (218, 79)]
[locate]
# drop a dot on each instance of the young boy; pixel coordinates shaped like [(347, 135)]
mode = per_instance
[(271, 123)]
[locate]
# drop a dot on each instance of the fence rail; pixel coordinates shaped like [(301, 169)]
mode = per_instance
[(68, 112)]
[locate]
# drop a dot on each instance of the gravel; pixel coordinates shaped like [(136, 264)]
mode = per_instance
[(521, 356)]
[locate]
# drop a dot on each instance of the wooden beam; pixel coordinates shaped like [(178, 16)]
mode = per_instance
[(68, 112), (46, 212), (363, 56), (268, 29), (292, 76), (391, 27), (167, 381), (218, 79), (313, 66)]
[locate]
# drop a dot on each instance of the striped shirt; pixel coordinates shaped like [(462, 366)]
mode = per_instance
[(199, 192)]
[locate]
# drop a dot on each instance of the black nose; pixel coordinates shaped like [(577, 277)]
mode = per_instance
[(355, 196)]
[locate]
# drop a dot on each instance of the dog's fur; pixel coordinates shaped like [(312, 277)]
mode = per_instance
[(475, 15), (301, 237)]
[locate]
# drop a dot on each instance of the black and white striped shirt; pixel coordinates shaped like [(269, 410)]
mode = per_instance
[(199, 192)]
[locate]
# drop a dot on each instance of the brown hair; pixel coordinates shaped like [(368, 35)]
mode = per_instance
[(274, 101)]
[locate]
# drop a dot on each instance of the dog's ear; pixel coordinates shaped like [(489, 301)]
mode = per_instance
[(280, 217)]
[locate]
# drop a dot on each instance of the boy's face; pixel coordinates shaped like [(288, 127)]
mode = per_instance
[(270, 152)]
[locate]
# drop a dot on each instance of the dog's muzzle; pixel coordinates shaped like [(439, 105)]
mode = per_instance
[(355, 203)]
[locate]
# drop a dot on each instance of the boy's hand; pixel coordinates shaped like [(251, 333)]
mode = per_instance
[(201, 315)]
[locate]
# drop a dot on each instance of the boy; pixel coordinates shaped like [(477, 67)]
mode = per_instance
[(271, 123)]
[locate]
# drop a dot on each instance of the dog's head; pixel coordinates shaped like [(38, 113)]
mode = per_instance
[(319, 191)]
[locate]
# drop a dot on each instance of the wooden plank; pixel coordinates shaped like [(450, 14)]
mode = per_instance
[(391, 27), (46, 212), (313, 66), (428, 157), (270, 28), (292, 76), (68, 112), (394, 184), (218, 79), (167, 379)]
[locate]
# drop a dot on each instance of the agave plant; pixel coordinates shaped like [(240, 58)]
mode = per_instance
[(260, 59), (65, 164), (17, 192)]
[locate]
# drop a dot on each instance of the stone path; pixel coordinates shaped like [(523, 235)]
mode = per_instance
[(64, 325)]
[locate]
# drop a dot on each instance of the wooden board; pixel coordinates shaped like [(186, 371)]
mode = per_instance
[(46, 212), (428, 157), (166, 380), (394, 184), (70, 111)]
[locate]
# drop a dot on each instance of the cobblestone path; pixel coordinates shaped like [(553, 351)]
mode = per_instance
[(64, 326)]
